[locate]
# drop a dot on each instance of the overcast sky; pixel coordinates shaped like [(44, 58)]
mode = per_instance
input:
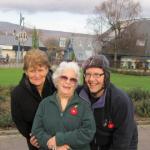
[(61, 15)]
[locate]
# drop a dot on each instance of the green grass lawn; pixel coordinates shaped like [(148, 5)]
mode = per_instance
[(12, 77), (127, 82)]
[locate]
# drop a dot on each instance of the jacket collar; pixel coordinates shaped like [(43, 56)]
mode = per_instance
[(74, 100), (98, 104), (25, 83)]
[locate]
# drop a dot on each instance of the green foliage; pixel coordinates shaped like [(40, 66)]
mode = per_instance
[(73, 57), (141, 100), (138, 94), (5, 115), (140, 97), (6, 120), (143, 108), (35, 39), (130, 72), (4, 93), (2, 98)]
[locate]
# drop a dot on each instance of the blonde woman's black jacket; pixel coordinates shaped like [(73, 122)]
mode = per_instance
[(24, 103), (114, 117)]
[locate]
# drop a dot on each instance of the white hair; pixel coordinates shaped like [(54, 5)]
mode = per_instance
[(64, 66)]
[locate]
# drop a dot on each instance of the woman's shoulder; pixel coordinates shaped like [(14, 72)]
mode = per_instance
[(48, 99), (21, 85), (82, 101), (17, 89), (79, 88), (45, 100), (120, 100)]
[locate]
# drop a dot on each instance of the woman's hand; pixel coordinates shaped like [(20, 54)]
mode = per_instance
[(63, 147), (34, 141), (51, 142)]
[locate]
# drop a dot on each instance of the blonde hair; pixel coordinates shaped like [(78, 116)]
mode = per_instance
[(35, 57)]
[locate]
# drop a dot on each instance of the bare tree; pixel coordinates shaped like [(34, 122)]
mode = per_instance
[(117, 14), (51, 43)]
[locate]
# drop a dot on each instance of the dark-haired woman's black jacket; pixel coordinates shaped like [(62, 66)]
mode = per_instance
[(24, 103), (114, 116)]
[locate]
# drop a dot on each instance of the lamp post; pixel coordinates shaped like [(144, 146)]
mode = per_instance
[(20, 37)]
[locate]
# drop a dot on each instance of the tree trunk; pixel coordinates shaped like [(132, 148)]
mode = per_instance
[(115, 49)]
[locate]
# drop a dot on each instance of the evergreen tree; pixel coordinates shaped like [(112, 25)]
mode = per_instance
[(35, 39)]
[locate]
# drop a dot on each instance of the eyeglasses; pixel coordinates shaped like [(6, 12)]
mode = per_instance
[(65, 78), (95, 75)]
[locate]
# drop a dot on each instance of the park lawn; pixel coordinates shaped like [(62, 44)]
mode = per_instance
[(127, 82), (12, 76)]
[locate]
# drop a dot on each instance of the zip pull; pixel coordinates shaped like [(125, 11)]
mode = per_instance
[(61, 114)]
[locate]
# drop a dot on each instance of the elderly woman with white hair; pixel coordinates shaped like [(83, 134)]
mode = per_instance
[(64, 121)]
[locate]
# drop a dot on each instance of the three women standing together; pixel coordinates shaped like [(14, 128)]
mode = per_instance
[(65, 120)]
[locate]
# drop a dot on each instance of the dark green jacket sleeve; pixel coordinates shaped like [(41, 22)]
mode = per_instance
[(82, 135), (38, 129)]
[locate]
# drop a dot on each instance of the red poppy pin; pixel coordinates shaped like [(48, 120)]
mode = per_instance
[(74, 110), (110, 125)]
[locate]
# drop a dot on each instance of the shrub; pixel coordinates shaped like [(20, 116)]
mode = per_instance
[(130, 72), (138, 94), (6, 120), (5, 115), (141, 100), (142, 108), (2, 98)]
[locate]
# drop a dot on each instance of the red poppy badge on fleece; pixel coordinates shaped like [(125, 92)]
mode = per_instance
[(74, 110), (110, 125)]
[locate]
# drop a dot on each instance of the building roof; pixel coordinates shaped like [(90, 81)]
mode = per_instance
[(10, 40), (141, 39)]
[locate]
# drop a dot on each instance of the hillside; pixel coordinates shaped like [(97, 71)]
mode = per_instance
[(9, 28)]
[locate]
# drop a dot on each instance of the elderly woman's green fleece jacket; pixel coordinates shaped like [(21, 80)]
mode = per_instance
[(74, 126)]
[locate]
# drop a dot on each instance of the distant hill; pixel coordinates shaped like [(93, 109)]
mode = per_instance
[(6, 27), (9, 28)]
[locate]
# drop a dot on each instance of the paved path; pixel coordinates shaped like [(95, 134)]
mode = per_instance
[(13, 142), (144, 137), (17, 142)]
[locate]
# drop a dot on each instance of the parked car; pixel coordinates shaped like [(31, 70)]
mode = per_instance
[(2, 59)]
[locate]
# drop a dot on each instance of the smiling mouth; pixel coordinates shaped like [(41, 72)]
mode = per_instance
[(66, 87), (92, 85)]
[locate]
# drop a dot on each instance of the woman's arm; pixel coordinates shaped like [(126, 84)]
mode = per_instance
[(38, 129), (22, 126), (125, 125)]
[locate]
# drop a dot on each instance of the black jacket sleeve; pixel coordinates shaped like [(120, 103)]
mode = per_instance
[(17, 117), (123, 115)]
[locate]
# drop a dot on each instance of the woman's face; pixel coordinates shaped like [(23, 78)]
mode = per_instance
[(67, 82), (37, 75)]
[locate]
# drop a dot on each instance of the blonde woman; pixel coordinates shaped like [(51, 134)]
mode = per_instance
[(36, 84)]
